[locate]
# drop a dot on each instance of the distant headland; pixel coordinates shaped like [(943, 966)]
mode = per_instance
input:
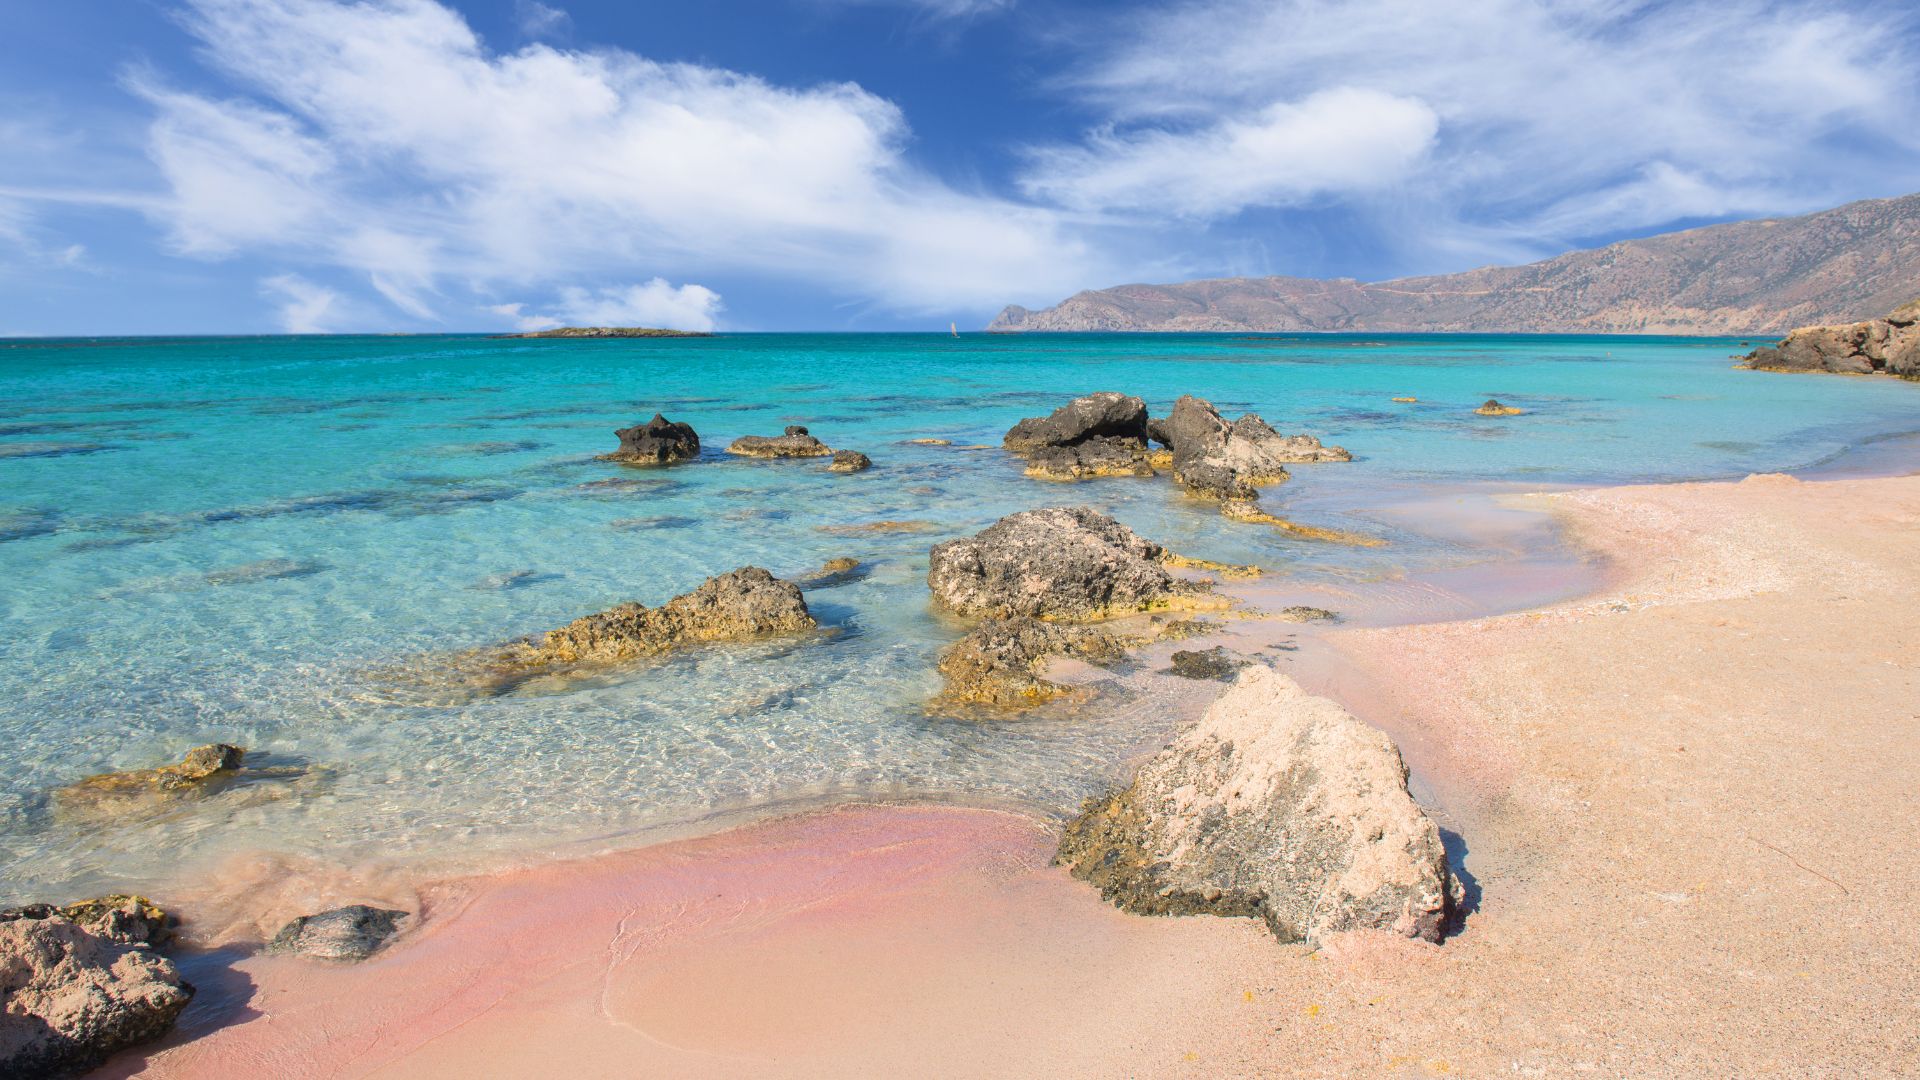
[(606, 332)]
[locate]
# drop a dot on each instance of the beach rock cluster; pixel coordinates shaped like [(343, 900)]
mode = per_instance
[(1888, 346), (120, 917), (1216, 459), (740, 605), (1103, 434), (70, 997), (795, 442), (659, 441), (1000, 661), (345, 934), (1276, 805), (1061, 563), (204, 770)]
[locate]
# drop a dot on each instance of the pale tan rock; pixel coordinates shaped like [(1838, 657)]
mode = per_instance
[(69, 998)]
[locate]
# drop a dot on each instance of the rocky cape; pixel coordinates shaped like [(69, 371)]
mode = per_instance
[(1748, 277), (1889, 346)]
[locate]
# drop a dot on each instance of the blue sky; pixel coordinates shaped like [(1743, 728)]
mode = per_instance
[(244, 166)]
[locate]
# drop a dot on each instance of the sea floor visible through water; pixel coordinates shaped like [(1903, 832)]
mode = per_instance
[(261, 541)]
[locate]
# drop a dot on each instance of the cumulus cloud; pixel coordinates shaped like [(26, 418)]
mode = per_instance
[(1551, 119), (1338, 141), (304, 307), (385, 138), (656, 303)]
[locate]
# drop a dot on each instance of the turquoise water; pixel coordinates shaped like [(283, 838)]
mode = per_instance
[(239, 539)]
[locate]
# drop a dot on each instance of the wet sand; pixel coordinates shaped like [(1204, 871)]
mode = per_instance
[(1686, 807)]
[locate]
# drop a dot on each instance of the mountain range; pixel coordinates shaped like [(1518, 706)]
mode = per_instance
[(1765, 276)]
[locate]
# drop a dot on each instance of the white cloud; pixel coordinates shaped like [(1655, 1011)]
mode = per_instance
[(1556, 119), (538, 21), (1339, 141), (656, 303), (384, 138), (305, 308), (939, 9)]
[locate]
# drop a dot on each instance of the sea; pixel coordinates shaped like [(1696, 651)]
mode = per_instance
[(286, 542)]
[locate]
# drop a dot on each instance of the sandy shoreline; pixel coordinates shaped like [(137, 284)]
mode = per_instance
[(1685, 805)]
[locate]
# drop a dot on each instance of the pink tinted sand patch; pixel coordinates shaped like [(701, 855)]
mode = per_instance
[(855, 939)]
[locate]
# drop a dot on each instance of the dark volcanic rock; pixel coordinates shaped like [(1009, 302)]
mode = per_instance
[(1099, 456), (659, 441), (1214, 663), (1059, 563), (1229, 461), (999, 663), (1103, 415), (795, 442), (850, 461), (348, 933), (1890, 346), (70, 998), (1276, 805), (740, 605)]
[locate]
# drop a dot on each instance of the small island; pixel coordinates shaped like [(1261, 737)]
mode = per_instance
[(606, 332)]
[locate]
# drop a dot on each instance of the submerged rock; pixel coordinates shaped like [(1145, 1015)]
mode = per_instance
[(1071, 563), (796, 442), (345, 934), (70, 998), (740, 605), (833, 572), (1250, 511), (659, 441), (850, 461), (203, 770), (1889, 346), (1276, 805), (121, 917), (1493, 407), (999, 662), (1214, 663)]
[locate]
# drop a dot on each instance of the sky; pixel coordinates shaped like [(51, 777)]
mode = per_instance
[(318, 166)]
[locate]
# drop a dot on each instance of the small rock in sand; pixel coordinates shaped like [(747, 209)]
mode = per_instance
[(1214, 663), (345, 934)]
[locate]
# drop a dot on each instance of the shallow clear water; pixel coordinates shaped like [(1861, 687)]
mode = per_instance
[(231, 539)]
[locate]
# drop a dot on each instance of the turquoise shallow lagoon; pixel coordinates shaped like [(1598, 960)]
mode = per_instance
[(233, 539)]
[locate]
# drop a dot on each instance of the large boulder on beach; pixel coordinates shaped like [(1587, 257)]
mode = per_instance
[(1877, 346), (740, 605), (345, 934), (659, 441), (1000, 662), (70, 998), (1105, 415), (1064, 563), (1276, 805), (795, 442)]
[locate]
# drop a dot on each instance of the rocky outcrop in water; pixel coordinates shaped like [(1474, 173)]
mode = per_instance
[(1061, 563), (1493, 407), (1276, 805), (1214, 663), (659, 441), (70, 998), (794, 443), (1889, 346), (205, 769), (1221, 460), (845, 461), (345, 934), (999, 662), (1103, 434), (740, 605)]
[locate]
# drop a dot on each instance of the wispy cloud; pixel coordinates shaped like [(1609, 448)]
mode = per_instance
[(1551, 119), (385, 138), (304, 307), (656, 303)]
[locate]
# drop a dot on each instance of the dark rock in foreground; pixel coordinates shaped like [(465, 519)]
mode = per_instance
[(740, 605), (70, 998), (999, 662), (659, 441), (1277, 805), (1103, 434), (796, 442), (345, 934), (1214, 663), (1888, 346), (1075, 564), (845, 461)]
